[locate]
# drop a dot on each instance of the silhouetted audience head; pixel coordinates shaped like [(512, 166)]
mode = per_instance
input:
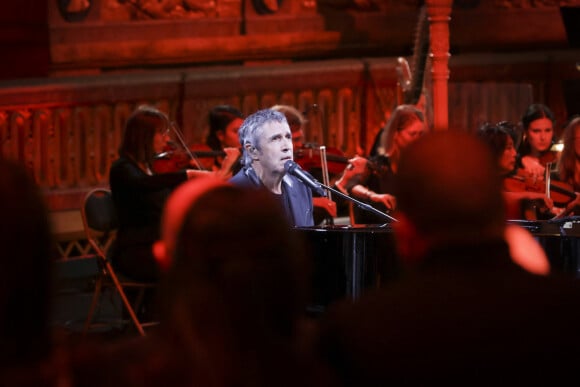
[(224, 123), (236, 288), (174, 212), (26, 266), (449, 191)]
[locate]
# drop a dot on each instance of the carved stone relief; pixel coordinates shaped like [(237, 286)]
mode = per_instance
[(369, 5), (266, 6), (74, 10), (123, 10)]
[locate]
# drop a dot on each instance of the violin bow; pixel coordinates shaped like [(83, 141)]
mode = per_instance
[(325, 175), (179, 136)]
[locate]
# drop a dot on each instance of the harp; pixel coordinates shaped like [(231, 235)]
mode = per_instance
[(411, 77)]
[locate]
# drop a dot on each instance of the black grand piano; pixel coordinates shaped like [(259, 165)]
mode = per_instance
[(347, 260)]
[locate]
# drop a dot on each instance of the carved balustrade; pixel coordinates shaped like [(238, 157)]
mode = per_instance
[(67, 131)]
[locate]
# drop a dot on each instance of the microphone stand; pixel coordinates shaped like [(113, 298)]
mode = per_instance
[(364, 206)]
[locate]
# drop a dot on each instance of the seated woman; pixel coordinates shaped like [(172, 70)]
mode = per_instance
[(535, 151), (139, 193), (405, 125), (569, 164), (224, 122), (524, 193)]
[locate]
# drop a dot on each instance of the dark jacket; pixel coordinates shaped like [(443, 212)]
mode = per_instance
[(296, 197)]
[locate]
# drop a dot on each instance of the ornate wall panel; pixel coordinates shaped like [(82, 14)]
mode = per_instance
[(67, 131)]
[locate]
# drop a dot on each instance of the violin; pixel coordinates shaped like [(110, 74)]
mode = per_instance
[(170, 160), (206, 157), (174, 159), (560, 192), (178, 156)]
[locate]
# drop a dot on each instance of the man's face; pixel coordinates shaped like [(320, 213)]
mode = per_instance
[(275, 147)]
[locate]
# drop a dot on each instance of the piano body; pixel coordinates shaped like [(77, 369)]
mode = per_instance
[(347, 260)]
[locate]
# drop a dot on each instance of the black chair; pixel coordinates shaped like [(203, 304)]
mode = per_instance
[(100, 226)]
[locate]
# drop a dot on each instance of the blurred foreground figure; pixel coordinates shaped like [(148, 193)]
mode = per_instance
[(235, 293), (464, 312), (232, 298), (27, 357)]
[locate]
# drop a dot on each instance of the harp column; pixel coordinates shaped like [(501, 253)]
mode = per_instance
[(439, 12)]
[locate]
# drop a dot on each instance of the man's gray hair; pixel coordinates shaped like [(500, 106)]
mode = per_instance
[(251, 130)]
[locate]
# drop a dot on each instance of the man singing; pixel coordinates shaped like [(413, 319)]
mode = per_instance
[(266, 142)]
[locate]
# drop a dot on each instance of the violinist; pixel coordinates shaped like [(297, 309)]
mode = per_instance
[(569, 163), (535, 150), (522, 190), (224, 123), (139, 193), (406, 124)]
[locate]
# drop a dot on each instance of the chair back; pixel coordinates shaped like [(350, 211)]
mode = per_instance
[(99, 219), (101, 223)]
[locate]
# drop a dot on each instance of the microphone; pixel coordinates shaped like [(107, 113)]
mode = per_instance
[(294, 169)]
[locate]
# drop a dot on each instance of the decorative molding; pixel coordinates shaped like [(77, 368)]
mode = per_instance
[(118, 10), (69, 136)]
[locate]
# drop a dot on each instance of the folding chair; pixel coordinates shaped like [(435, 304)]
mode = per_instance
[(100, 226)]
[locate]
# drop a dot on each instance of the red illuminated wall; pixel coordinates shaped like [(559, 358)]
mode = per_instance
[(24, 39)]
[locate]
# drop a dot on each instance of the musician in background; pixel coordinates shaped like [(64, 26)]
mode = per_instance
[(406, 124), (519, 187), (296, 122), (139, 193), (266, 142), (535, 150), (224, 122), (569, 163)]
